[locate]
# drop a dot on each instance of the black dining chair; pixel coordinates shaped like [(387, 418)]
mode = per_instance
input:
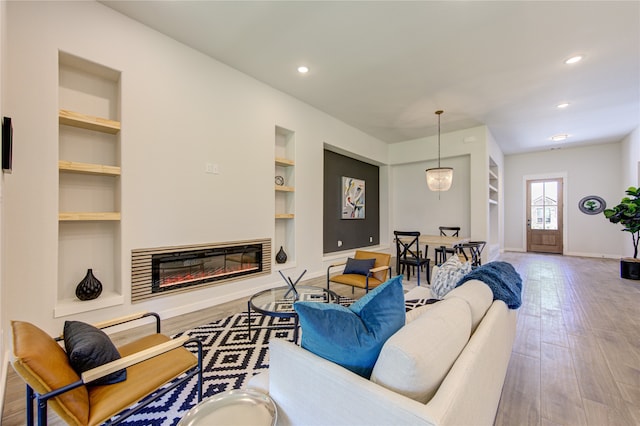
[(470, 252), (442, 252), (408, 254), (481, 245)]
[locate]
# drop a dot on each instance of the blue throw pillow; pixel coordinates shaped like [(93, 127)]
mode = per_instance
[(353, 337), (358, 266)]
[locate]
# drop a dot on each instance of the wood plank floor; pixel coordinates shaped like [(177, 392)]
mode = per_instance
[(576, 358), (575, 361)]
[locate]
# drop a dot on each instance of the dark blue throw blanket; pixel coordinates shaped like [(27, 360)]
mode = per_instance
[(502, 278)]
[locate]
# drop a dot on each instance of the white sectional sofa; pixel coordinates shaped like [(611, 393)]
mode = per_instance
[(446, 366)]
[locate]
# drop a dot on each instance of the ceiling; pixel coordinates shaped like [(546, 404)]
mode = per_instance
[(385, 67)]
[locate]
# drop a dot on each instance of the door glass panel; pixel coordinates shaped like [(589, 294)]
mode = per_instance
[(551, 220), (537, 217), (544, 205)]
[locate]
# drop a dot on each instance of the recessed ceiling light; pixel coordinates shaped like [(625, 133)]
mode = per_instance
[(559, 137), (303, 70), (574, 59), (562, 105)]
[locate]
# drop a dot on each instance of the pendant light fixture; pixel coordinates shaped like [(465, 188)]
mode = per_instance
[(440, 178)]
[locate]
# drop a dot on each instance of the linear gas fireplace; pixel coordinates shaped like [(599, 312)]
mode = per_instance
[(166, 270)]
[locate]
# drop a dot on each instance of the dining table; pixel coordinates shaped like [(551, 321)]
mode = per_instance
[(441, 240)]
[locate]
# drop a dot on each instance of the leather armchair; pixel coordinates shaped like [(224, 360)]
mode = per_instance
[(151, 362), (380, 272)]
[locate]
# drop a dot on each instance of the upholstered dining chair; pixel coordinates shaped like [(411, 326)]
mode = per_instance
[(367, 269), (441, 253), (108, 392), (408, 254)]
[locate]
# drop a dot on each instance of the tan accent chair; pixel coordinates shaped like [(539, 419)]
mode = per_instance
[(380, 272), (151, 362)]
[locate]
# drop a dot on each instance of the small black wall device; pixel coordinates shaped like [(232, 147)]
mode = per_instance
[(7, 144)]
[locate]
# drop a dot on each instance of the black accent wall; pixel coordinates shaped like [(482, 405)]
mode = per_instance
[(354, 233)]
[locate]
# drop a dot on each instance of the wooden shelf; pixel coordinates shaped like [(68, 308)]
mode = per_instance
[(285, 216), (87, 168), (84, 121), (88, 216), (494, 202), (285, 188), (284, 162), (493, 188)]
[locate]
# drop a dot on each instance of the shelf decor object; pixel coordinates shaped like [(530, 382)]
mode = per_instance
[(89, 288), (281, 256), (279, 180), (439, 178)]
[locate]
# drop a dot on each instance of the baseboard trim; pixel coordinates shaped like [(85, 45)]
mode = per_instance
[(594, 255), (572, 253)]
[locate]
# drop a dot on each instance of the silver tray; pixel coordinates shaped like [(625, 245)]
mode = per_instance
[(240, 407)]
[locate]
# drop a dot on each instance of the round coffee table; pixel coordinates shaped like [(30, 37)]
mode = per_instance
[(278, 302), (241, 407)]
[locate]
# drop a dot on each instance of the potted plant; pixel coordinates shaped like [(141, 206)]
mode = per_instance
[(627, 213)]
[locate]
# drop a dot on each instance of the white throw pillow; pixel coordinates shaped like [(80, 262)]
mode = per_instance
[(447, 276), (415, 360)]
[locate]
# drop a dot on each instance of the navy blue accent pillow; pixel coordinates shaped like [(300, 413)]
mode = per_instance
[(89, 347), (353, 337), (358, 266)]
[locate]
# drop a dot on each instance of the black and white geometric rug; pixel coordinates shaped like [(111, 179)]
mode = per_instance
[(230, 358)]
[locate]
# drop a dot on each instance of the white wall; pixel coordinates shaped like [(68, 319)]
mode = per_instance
[(467, 201), (630, 175), (591, 170), (419, 209), (179, 110), (631, 159)]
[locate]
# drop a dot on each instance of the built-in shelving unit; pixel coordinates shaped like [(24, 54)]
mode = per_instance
[(88, 183), (493, 182), (493, 241), (93, 124), (285, 193)]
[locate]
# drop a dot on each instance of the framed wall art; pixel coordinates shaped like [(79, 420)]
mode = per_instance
[(592, 204), (353, 202)]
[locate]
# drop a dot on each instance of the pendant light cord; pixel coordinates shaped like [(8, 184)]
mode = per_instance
[(439, 112)]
